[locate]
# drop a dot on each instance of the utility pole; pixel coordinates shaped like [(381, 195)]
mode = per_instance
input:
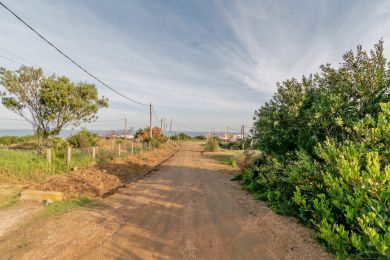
[(243, 136), (150, 121), (227, 133), (164, 125), (125, 128), (178, 133), (170, 129)]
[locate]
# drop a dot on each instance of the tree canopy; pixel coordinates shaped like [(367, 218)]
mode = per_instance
[(49, 103)]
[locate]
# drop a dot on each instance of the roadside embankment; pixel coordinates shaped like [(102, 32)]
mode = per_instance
[(102, 179)]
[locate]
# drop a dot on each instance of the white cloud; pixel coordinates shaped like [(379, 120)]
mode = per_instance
[(213, 63)]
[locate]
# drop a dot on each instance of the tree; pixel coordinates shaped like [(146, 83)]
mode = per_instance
[(49, 103)]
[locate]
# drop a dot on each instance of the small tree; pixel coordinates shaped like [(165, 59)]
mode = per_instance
[(49, 103)]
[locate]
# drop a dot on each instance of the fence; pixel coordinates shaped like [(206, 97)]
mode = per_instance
[(106, 151), (96, 153)]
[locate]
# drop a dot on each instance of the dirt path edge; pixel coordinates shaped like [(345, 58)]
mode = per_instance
[(150, 171)]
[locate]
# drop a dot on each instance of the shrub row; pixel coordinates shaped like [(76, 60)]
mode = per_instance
[(7, 140)]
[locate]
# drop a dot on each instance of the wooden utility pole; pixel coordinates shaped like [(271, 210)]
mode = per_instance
[(227, 133), (150, 121), (125, 128), (170, 129), (242, 136)]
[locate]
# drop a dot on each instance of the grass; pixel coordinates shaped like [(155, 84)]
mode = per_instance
[(227, 159), (27, 165), (65, 206), (9, 200)]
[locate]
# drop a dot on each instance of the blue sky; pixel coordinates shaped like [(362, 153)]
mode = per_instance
[(206, 64)]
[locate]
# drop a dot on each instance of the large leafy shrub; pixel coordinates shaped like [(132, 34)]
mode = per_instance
[(301, 114), (352, 210), (325, 153)]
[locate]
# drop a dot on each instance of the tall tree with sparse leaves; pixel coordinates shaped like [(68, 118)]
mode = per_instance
[(49, 103)]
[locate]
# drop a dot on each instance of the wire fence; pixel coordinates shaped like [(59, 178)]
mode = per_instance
[(72, 157)]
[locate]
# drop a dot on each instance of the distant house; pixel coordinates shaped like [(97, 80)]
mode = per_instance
[(123, 136), (230, 137)]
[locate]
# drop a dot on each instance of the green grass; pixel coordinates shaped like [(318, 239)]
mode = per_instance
[(65, 206), (28, 165), (9, 200), (230, 157), (227, 159)]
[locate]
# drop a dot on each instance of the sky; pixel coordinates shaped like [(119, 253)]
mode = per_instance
[(205, 64)]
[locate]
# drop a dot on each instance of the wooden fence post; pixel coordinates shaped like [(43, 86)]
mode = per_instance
[(48, 155), (119, 150), (69, 154), (132, 147), (93, 153)]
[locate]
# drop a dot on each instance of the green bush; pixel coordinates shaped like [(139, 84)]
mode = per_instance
[(181, 136), (105, 156), (304, 113), (58, 143), (352, 210), (83, 139), (236, 145), (153, 142), (211, 145), (325, 145), (199, 137)]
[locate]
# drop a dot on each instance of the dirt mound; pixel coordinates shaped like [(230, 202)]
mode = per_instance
[(98, 180)]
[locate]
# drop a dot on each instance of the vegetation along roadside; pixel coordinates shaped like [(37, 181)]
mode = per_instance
[(325, 154)]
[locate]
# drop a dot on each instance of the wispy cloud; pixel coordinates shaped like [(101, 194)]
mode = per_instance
[(205, 64)]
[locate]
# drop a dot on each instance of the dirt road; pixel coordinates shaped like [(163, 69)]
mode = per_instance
[(187, 209)]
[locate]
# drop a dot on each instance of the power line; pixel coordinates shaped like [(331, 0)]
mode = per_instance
[(10, 59), (155, 114), (112, 120), (70, 59), (12, 119), (23, 58)]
